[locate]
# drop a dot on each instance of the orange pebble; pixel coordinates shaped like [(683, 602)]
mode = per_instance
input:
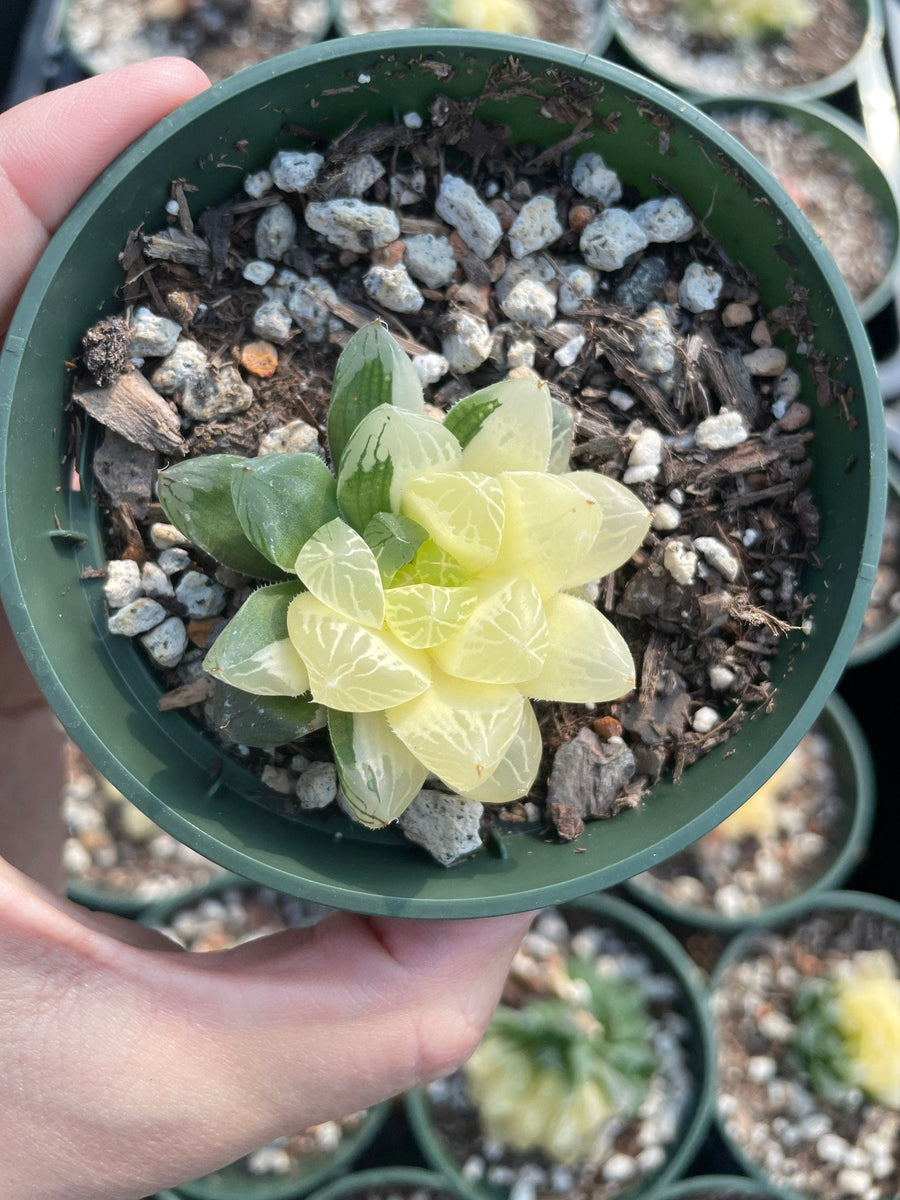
[(606, 728), (259, 358), (580, 215)]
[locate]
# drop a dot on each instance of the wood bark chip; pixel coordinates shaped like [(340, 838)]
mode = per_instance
[(133, 408)]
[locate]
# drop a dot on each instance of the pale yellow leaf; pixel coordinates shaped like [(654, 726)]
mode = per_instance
[(588, 660), (273, 670), (459, 730), (518, 434), (340, 569), (517, 770), (624, 522), (506, 638), (423, 614), (379, 777), (352, 667), (462, 511)]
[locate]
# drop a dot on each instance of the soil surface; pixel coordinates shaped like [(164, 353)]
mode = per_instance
[(829, 1150), (221, 36), (657, 33), (702, 635)]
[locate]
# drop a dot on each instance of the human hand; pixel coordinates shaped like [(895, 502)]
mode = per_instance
[(129, 1065)]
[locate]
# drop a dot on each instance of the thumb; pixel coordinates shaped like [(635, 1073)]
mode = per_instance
[(54, 146)]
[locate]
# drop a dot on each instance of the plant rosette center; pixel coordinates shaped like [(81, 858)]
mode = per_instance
[(424, 594)]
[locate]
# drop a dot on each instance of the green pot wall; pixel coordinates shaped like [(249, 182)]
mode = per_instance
[(888, 638), (860, 902), (846, 139), (715, 1187), (382, 1178), (106, 694), (856, 782), (668, 958), (685, 78)]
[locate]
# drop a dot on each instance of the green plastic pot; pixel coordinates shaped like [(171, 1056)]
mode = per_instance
[(106, 694), (873, 646), (668, 957), (715, 1187), (846, 139), (383, 1178), (233, 1182), (599, 39), (860, 902), (856, 782), (684, 77)]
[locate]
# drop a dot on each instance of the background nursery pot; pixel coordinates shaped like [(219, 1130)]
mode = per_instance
[(838, 923), (851, 761), (715, 1187), (644, 936), (107, 696), (383, 1182), (880, 638)]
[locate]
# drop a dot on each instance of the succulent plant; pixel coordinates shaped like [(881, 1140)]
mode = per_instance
[(747, 20), (423, 594), (496, 16), (848, 1029), (555, 1075), (758, 816)]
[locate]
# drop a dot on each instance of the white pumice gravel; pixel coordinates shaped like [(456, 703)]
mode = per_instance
[(272, 322), (353, 224), (430, 367), (200, 596), (123, 582), (294, 170), (296, 437), (166, 642), (530, 302), (722, 431), (430, 259), (448, 827), (700, 288), (155, 583), (460, 205), (610, 239), (258, 271), (467, 344), (308, 303), (536, 227), (578, 286), (592, 178), (680, 560), (317, 786), (152, 336), (137, 617), (665, 517), (645, 459), (276, 232), (718, 555), (393, 288), (360, 174), (173, 558), (665, 220), (657, 341), (721, 677), (258, 183), (705, 719)]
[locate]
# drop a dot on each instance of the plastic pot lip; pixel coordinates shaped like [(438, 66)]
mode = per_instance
[(735, 950), (827, 85), (847, 138), (374, 1177), (701, 1185), (643, 929), (886, 639), (514, 891), (88, 67), (847, 737), (599, 42), (158, 912)]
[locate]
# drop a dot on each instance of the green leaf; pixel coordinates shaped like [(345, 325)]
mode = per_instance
[(386, 450), (394, 541), (372, 370), (253, 652), (379, 777), (562, 434), (262, 721), (196, 497), (281, 500)]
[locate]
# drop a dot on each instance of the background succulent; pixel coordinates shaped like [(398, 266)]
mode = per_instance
[(747, 20), (423, 594)]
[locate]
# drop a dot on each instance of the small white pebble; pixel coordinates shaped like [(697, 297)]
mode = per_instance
[(621, 399), (665, 517), (276, 232), (760, 1068), (568, 353), (199, 595), (720, 677), (155, 582), (167, 642), (173, 560), (705, 719), (258, 271), (412, 120), (172, 208), (767, 361), (460, 205), (123, 582), (722, 431), (393, 288), (681, 562), (294, 170), (591, 177), (164, 536), (610, 239), (257, 184), (430, 367), (618, 1168), (317, 786), (719, 556), (700, 288), (137, 617), (536, 227)]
